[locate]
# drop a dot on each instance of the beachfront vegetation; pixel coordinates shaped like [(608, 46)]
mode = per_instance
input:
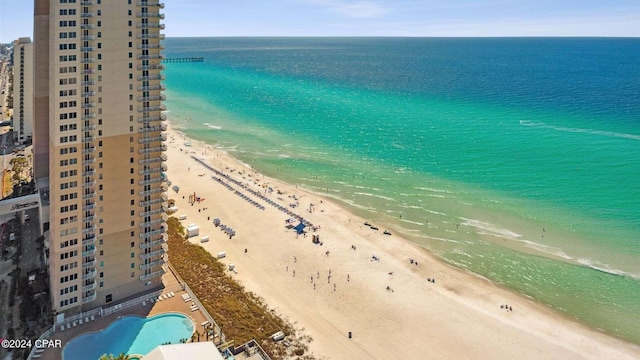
[(242, 315), (114, 357)]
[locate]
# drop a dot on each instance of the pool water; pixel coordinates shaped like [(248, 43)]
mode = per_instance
[(130, 335)]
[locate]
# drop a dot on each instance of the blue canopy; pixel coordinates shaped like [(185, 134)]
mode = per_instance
[(299, 228)]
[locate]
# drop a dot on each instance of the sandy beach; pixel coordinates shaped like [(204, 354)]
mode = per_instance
[(360, 281)]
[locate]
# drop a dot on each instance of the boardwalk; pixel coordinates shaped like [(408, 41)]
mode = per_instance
[(180, 60)]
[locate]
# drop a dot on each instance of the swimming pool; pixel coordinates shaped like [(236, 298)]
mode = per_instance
[(130, 335)]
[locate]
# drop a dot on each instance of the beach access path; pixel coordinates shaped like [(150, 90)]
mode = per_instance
[(360, 282)]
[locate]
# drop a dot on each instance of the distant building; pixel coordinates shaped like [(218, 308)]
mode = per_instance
[(98, 144), (23, 90)]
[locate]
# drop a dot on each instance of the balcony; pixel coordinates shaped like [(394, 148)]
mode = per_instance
[(88, 37), (149, 244), (162, 168), (151, 233), (87, 49), (148, 119), (89, 117), (89, 230), (91, 286), (152, 181), (153, 222), (150, 15), (87, 60), (162, 201), (151, 88), (152, 98), (90, 298), (150, 26), (88, 71), (152, 212), (88, 93), (152, 254), (88, 196), (163, 157), (152, 275), (87, 15), (147, 140), (90, 218), (89, 264), (151, 77), (89, 83), (87, 26), (88, 128), (151, 57), (150, 129), (151, 192), (88, 253), (87, 2), (151, 36), (152, 108), (89, 207), (162, 148), (90, 240), (89, 184), (89, 162), (89, 275), (152, 264), (88, 150), (89, 173), (88, 105), (150, 46), (151, 4)]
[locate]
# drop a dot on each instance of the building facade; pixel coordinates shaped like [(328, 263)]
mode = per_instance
[(22, 90), (99, 144)]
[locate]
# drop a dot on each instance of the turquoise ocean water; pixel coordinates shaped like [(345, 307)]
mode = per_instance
[(515, 159)]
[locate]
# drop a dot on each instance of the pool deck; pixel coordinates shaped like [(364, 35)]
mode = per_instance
[(173, 304)]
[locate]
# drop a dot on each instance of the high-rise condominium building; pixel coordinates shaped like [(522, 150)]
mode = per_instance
[(99, 144), (22, 89)]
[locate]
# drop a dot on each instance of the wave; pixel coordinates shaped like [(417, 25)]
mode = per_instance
[(491, 229), (412, 222), (579, 130), (376, 196), (434, 190), (593, 264), (435, 212), (547, 249), (211, 126)]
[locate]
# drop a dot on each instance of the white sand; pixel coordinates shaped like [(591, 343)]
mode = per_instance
[(458, 317)]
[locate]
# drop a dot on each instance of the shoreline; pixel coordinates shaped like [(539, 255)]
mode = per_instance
[(403, 312)]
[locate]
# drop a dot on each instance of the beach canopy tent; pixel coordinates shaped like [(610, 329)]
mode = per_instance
[(300, 228)]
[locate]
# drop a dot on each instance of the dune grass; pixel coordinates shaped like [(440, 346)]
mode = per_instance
[(242, 315)]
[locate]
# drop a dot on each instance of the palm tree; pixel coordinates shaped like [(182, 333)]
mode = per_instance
[(122, 356)]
